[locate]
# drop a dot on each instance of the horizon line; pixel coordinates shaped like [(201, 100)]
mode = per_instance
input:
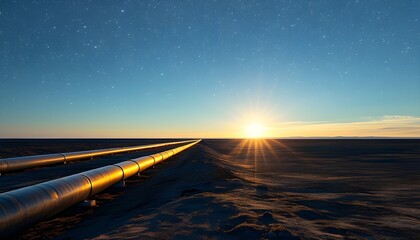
[(158, 138)]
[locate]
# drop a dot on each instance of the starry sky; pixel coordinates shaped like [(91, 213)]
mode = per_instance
[(209, 68)]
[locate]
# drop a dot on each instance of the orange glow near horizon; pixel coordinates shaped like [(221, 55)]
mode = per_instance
[(269, 127)]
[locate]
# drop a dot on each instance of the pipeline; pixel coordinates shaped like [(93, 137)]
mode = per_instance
[(26, 206), (20, 163)]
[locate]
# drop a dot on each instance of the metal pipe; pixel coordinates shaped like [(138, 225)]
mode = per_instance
[(20, 163), (26, 206)]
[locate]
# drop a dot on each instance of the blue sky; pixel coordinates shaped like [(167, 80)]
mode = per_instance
[(207, 68)]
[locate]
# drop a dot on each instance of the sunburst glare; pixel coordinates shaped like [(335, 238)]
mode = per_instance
[(254, 130)]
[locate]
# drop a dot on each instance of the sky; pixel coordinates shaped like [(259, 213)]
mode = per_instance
[(140, 69)]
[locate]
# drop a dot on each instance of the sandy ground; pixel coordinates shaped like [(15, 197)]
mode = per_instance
[(236, 189)]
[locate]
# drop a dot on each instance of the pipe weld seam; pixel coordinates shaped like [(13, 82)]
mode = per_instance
[(137, 165), (122, 170), (65, 158), (154, 160), (90, 182)]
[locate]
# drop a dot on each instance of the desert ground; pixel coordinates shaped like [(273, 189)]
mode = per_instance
[(239, 189)]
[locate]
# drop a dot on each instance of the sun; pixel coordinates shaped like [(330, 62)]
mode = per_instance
[(254, 130)]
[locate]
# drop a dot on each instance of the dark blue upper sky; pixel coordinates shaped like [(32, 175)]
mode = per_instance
[(200, 68)]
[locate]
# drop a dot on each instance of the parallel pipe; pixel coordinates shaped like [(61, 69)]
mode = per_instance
[(26, 206), (20, 163)]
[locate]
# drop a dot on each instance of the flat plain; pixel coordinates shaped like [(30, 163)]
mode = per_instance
[(240, 189)]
